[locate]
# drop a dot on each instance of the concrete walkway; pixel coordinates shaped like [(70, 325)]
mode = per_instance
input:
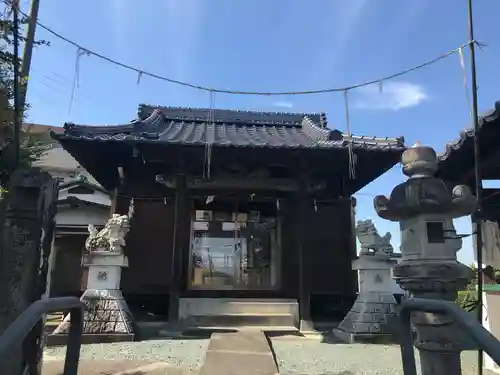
[(239, 353)]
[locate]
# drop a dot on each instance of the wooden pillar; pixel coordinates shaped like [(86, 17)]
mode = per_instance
[(352, 255), (302, 213), (181, 233)]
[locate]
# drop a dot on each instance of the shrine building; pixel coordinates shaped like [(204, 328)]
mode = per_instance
[(456, 163), (240, 218)]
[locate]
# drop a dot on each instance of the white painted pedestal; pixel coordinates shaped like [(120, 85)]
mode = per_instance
[(107, 317), (370, 318)]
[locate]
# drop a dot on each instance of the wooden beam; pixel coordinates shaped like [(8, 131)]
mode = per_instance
[(235, 183)]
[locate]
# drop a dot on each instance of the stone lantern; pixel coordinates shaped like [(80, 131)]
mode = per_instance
[(425, 208)]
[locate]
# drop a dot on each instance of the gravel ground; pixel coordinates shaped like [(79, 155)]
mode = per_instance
[(306, 356), (188, 354)]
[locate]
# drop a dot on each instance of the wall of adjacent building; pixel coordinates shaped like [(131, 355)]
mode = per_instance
[(71, 221), (61, 165), (58, 162)]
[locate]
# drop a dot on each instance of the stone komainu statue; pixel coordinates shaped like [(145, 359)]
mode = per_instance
[(371, 241)]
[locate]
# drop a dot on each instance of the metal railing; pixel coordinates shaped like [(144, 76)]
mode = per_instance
[(484, 339), (22, 326)]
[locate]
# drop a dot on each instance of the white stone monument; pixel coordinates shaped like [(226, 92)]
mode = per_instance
[(107, 316), (370, 319)]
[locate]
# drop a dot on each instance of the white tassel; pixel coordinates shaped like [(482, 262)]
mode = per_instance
[(209, 139), (464, 74), (352, 161)]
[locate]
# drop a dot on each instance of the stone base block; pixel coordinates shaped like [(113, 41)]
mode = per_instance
[(363, 338), (306, 327), (371, 318), (107, 317)]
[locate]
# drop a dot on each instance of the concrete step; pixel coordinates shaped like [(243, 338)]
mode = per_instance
[(216, 306), (272, 330), (239, 320)]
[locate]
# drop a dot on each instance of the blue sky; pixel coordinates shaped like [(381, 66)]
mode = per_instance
[(278, 45)]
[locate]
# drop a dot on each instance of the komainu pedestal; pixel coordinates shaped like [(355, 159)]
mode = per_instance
[(371, 317), (107, 317)]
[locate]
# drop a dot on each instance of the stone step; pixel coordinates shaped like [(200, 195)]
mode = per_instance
[(217, 306), (270, 330), (240, 320)]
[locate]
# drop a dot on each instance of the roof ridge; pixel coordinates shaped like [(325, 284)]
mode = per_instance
[(142, 106), (374, 139)]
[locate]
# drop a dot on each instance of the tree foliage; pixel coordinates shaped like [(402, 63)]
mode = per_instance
[(31, 148), (468, 298)]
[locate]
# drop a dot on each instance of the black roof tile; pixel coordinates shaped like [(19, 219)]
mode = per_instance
[(193, 126), (486, 121)]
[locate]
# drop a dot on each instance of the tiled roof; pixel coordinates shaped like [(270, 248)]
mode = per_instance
[(190, 126), (82, 182), (486, 121)]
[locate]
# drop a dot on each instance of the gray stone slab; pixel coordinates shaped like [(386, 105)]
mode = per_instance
[(224, 363), (248, 342), (239, 353)]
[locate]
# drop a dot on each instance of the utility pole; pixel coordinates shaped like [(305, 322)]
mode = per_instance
[(478, 182), (28, 52), (17, 107)]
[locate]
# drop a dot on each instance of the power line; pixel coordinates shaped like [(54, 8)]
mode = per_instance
[(141, 72)]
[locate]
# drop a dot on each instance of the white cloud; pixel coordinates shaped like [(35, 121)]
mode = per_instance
[(283, 104), (391, 95)]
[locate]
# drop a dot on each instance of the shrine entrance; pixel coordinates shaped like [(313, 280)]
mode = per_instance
[(235, 247)]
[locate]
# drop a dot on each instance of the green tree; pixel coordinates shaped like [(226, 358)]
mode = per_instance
[(31, 147)]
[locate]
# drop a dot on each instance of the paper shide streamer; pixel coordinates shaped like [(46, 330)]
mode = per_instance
[(76, 75), (464, 75), (352, 160), (209, 137)]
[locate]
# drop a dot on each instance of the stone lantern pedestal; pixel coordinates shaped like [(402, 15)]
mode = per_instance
[(372, 315), (107, 317), (425, 208)]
